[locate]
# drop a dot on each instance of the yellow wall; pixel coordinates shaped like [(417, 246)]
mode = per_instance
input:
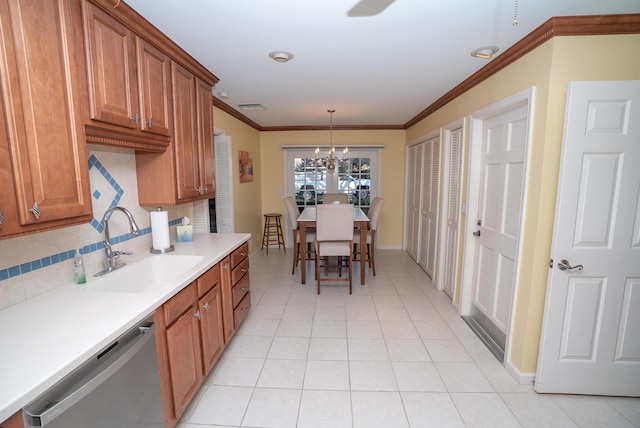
[(391, 171), (549, 68), (247, 197)]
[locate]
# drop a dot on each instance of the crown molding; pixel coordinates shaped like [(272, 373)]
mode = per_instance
[(556, 26)]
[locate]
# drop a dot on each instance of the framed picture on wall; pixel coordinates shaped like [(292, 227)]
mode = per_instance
[(246, 166)]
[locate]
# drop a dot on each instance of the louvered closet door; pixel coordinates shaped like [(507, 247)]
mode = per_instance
[(453, 211), (414, 193), (429, 205), (224, 185)]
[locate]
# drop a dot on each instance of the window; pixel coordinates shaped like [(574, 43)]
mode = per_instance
[(308, 179)]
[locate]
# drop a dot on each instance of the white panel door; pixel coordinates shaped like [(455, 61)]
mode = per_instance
[(498, 222), (414, 196), (590, 340)]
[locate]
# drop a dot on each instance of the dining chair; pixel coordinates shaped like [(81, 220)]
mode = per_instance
[(292, 214), (329, 198), (374, 216), (334, 237)]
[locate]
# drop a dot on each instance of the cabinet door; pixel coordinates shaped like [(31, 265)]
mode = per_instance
[(41, 96), (204, 100), (185, 135), (185, 359), (155, 88), (211, 329), (111, 69), (227, 298), (14, 421)]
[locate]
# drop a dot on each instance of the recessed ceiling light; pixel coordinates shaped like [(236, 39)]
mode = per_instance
[(485, 52), (281, 56)]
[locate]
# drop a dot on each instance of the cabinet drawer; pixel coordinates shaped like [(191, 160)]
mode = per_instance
[(180, 303), (238, 272), (240, 289), (239, 254), (208, 280), (240, 313)]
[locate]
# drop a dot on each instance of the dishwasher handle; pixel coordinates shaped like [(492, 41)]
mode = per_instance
[(98, 372)]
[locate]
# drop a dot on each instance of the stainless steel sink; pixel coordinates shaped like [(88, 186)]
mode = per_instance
[(147, 275)]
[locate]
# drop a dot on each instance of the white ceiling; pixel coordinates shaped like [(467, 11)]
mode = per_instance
[(378, 70)]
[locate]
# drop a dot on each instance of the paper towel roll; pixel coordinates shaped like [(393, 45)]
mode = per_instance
[(160, 230)]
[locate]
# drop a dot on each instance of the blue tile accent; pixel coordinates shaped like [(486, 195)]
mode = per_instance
[(25, 268), (119, 191), (63, 256)]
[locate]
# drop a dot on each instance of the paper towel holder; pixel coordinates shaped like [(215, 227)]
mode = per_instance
[(168, 249)]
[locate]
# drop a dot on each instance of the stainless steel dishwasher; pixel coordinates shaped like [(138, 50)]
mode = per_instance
[(117, 387)]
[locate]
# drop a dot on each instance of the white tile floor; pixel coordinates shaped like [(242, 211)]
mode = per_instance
[(393, 354)]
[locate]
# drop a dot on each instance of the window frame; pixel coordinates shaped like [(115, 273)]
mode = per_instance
[(293, 152)]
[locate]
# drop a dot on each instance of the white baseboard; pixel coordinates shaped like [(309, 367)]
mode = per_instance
[(520, 377), (389, 247)]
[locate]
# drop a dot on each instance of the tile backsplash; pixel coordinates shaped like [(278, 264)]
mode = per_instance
[(33, 264)]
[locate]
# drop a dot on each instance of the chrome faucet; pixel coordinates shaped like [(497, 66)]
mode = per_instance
[(112, 256)]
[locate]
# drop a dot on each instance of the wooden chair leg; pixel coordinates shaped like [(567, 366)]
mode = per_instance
[(372, 259), (350, 274)]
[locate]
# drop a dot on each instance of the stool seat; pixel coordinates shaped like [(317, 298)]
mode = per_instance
[(272, 231)]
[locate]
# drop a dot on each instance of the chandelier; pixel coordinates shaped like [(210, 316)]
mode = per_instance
[(331, 158)]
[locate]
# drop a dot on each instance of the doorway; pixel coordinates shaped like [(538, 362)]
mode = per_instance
[(498, 155)]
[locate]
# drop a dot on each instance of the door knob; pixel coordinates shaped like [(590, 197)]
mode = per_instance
[(565, 265), (476, 233)]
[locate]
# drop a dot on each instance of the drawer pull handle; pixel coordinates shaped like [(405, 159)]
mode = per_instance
[(197, 314), (206, 306), (225, 266), (246, 308), (244, 270), (244, 288), (242, 253), (150, 123)]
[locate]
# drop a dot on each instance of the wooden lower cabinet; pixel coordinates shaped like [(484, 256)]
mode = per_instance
[(15, 421), (190, 340)]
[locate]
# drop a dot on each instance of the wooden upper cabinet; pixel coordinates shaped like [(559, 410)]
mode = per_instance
[(204, 99), (129, 85), (154, 82), (111, 65), (185, 137), (43, 98), (191, 155)]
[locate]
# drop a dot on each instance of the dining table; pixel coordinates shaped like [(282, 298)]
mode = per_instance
[(307, 219)]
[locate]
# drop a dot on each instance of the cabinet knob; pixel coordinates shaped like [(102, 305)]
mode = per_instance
[(136, 118), (242, 254), (225, 266), (35, 210), (206, 189), (244, 270), (206, 306), (197, 314), (244, 288), (150, 123), (1, 216)]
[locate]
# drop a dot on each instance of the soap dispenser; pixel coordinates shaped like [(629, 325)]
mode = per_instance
[(78, 264)]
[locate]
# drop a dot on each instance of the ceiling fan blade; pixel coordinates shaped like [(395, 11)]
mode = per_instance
[(369, 7)]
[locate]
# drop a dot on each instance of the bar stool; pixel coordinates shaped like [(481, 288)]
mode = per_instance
[(272, 231)]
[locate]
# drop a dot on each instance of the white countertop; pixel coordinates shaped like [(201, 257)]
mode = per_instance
[(44, 338)]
